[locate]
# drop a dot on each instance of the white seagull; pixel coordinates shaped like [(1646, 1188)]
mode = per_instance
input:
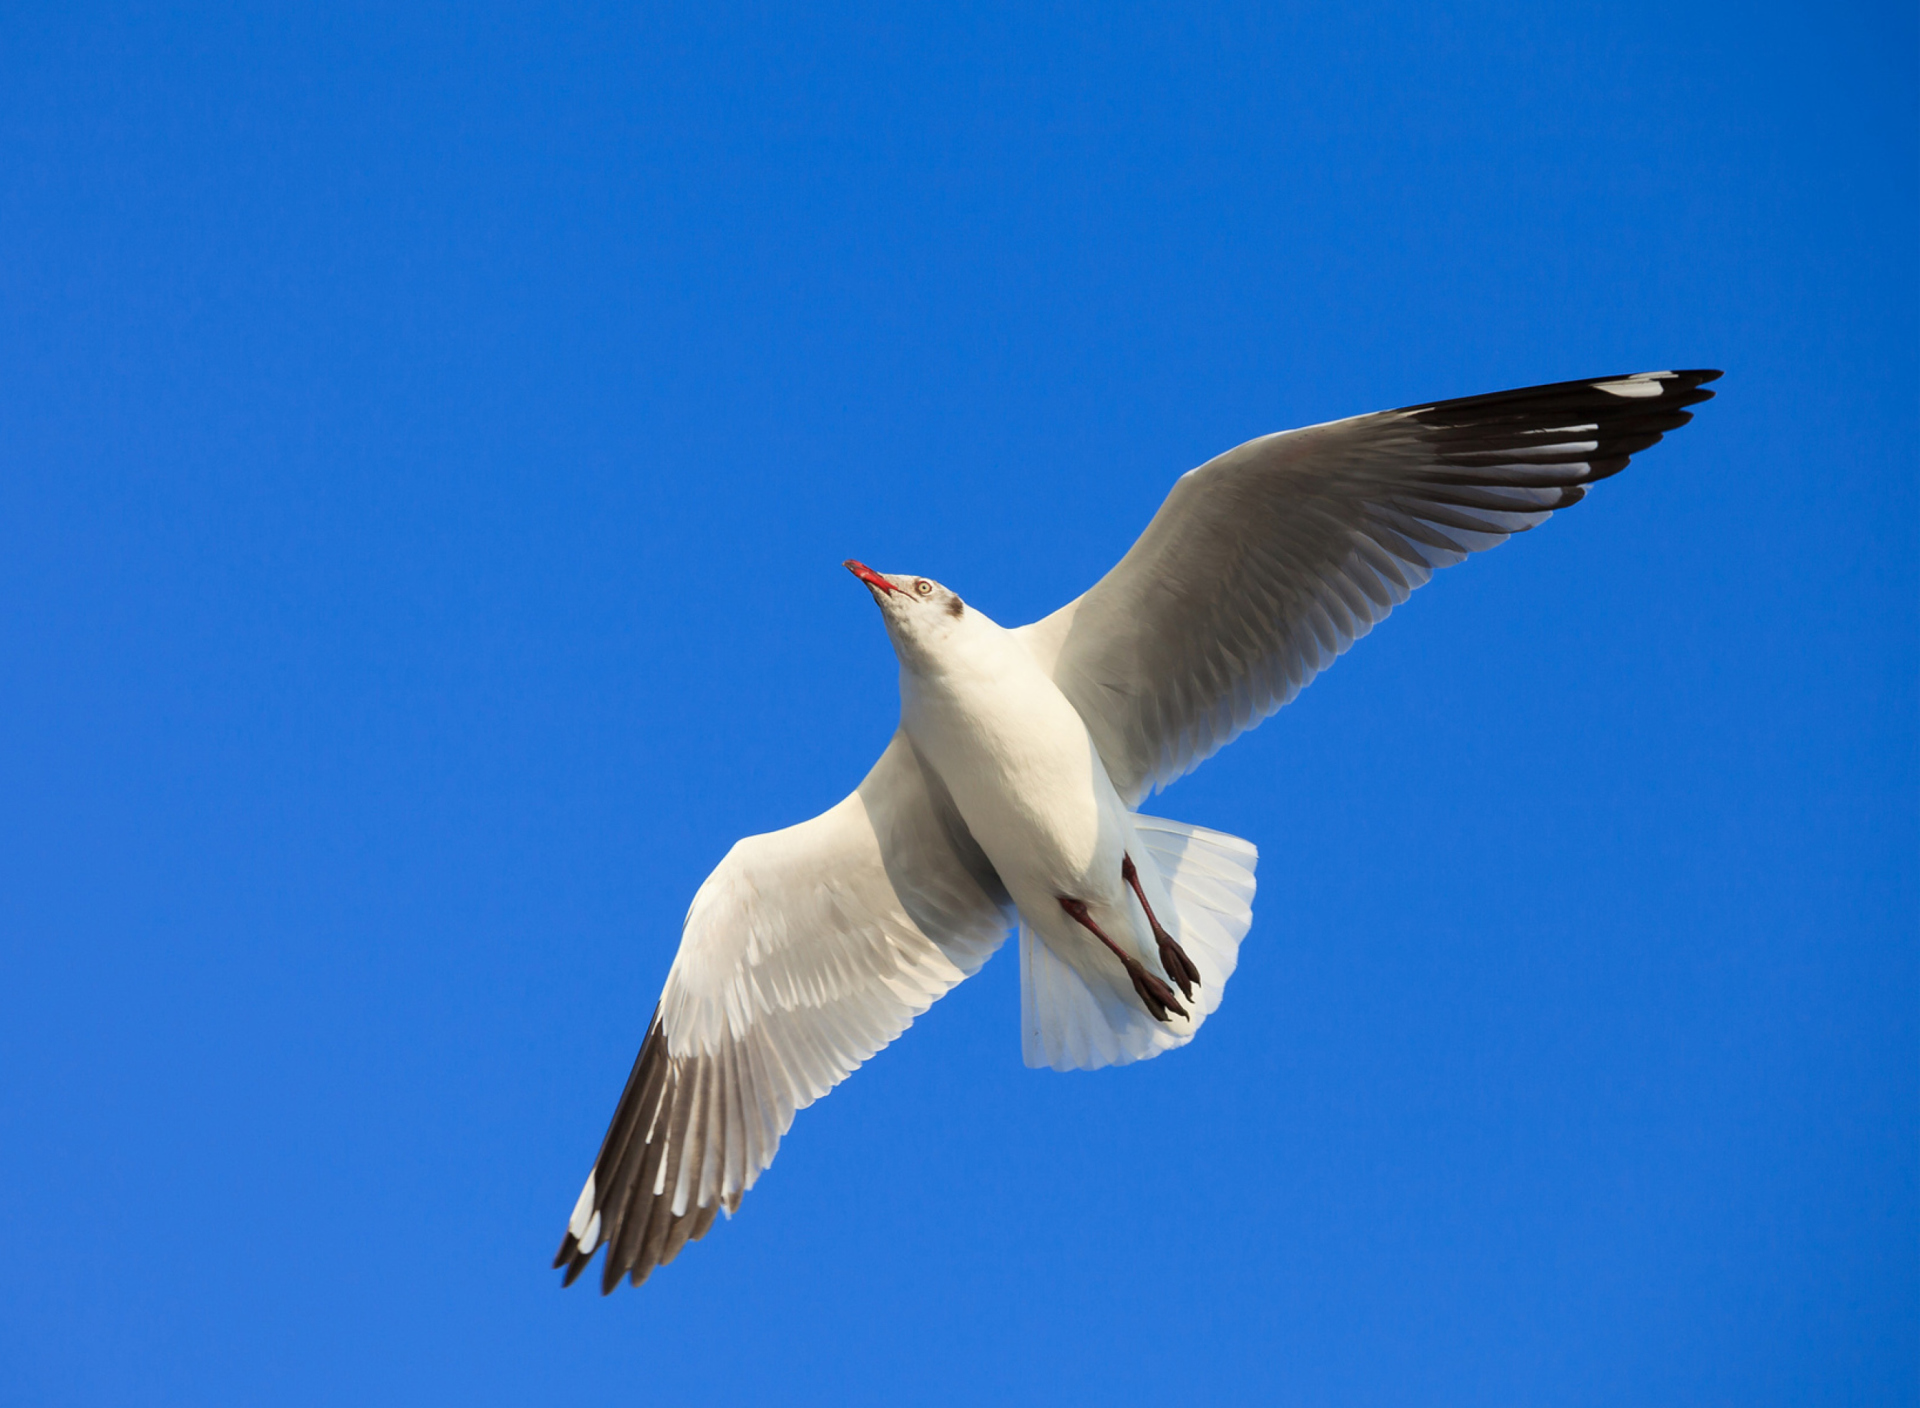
[(1008, 793)]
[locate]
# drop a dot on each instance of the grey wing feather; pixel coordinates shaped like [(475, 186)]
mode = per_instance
[(804, 953), (1265, 564)]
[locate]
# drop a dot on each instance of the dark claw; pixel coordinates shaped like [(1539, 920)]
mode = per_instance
[(1156, 994), (1173, 958), (1154, 1009), (1179, 967)]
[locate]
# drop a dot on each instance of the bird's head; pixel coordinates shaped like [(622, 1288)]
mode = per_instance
[(920, 613)]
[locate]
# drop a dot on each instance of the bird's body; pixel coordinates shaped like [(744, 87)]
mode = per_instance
[(1026, 778), (1009, 796)]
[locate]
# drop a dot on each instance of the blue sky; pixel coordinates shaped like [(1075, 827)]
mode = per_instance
[(429, 442)]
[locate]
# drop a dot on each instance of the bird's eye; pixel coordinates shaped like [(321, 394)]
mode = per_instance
[(923, 586)]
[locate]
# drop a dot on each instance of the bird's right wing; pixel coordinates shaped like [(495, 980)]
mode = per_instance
[(804, 953), (1266, 562)]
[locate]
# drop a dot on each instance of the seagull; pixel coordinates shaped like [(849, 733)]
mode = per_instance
[(1008, 795)]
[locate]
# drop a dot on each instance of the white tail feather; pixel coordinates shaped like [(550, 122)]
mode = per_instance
[(1076, 1018)]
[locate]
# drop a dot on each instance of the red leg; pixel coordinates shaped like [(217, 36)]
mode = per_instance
[(1157, 996), (1173, 958)]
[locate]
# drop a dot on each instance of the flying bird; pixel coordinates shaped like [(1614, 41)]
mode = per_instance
[(1008, 795)]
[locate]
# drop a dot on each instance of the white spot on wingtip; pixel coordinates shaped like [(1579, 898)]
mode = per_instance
[(582, 1211), (1639, 384), (592, 1237)]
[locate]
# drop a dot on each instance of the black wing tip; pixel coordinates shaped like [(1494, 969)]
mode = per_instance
[(1589, 429), (690, 1226), (639, 1230), (1677, 388), (575, 1257)]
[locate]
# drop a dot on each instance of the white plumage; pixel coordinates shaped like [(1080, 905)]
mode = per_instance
[(1008, 797)]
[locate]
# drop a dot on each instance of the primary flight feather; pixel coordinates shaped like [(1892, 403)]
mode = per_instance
[(1007, 796)]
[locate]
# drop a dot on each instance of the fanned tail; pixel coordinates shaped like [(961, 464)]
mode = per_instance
[(1075, 1018)]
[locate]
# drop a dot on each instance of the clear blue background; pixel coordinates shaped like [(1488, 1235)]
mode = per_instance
[(427, 446)]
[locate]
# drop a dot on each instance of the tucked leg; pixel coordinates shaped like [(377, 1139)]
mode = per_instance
[(1173, 958), (1157, 996)]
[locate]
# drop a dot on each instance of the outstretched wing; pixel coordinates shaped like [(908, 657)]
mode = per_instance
[(1265, 564), (803, 954)]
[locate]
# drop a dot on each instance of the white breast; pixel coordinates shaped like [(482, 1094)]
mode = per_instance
[(1018, 760)]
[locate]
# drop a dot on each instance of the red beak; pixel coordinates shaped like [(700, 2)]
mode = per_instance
[(869, 576)]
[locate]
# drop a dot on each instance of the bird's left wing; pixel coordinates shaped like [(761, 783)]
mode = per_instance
[(1267, 562), (804, 953)]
